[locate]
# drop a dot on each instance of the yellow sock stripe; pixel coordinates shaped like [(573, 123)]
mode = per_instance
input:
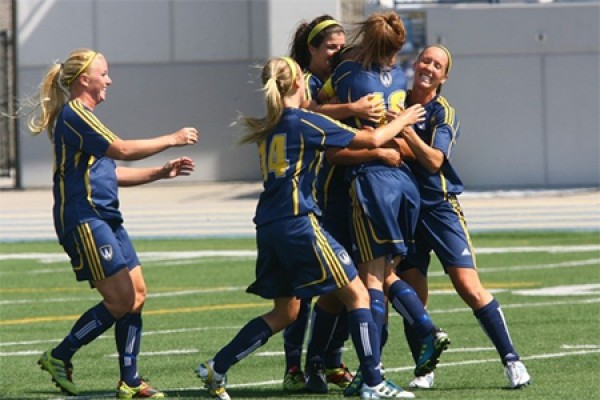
[(91, 253)]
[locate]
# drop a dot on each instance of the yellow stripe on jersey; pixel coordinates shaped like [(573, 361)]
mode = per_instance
[(295, 179), (91, 120), (333, 262), (88, 184), (307, 92), (91, 252), (335, 121), (61, 185)]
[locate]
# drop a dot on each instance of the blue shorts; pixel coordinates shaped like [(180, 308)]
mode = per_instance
[(98, 250), (297, 257), (336, 217), (385, 212), (443, 230)]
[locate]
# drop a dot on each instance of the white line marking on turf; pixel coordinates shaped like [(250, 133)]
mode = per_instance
[(161, 353)]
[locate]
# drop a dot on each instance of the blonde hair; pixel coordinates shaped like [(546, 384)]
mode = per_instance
[(278, 75), (381, 36), (55, 89)]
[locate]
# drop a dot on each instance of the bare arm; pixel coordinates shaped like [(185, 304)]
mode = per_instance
[(429, 157), (369, 138), (346, 157), (367, 108), (137, 149), (127, 176)]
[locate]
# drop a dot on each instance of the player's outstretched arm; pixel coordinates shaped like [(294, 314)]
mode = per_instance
[(137, 149), (182, 166)]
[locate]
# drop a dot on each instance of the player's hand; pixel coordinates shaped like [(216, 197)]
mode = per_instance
[(185, 136), (369, 108), (182, 166), (413, 114), (390, 156)]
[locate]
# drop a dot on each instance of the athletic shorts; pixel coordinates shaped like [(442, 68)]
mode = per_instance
[(385, 212), (297, 257), (443, 230), (98, 250)]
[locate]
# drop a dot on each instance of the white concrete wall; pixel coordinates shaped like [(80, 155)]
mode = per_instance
[(526, 86), (526, 82), (174, 63)]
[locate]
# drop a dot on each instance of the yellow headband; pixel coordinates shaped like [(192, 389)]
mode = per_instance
[(83, 67), (292, 64), (319, 27), (445, 50)]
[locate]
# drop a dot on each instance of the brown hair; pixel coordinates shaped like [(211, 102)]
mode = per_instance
[(299, 48), (379, 38)]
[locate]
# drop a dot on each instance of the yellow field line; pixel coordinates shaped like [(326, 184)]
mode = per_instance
[(182, 310)]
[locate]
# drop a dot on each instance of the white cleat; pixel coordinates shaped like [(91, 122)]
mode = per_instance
[(213, 381), (423, 382), (385, 390), (517, 374)]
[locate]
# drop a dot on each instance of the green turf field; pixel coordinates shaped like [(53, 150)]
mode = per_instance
[(197, 303)]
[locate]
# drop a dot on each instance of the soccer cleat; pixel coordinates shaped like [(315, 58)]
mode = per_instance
[(517, 374), (385, 390), (213, 381), (423, 382), (431, 349), (341, 377), (353, 389), (145, 391), (294, 380), (60, 371), (316, 381)]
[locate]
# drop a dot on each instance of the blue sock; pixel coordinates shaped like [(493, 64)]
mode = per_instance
[(92, 323), (365, 337), (293, 336), (405, 301), (491, 319), (322, 327), (253, 335), (128, 334), (378, 309), (413, 340), (384, 336), (333, 354)]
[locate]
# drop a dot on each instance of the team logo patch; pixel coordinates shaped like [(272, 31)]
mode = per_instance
[(106, 252), (344, 257), (386, 78)]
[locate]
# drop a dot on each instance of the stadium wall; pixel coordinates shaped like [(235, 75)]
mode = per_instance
[(526, 91)]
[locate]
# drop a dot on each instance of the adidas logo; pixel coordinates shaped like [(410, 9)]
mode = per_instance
[(466, 252)]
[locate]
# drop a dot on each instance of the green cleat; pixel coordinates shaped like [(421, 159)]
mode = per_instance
[(433, 346), (294, 380), (60, 371), (145, 391)]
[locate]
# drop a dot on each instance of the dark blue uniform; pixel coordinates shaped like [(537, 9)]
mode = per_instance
[(442, 226), (86, 213), (296, 256), (385, 200)]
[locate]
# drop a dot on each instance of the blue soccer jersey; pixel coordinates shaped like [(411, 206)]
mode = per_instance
[(85, 182), (440, 130), (312, 84), (288, 160)]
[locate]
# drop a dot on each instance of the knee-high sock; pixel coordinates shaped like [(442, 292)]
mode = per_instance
[(293, 336), (253, 335), (491, 319), (333, 354), (128, 336), (322, 327), (92, 323), (405, 301), (413, 340), (378, 309), (365, 337)]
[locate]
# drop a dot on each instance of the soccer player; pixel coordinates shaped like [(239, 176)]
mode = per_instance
[(297, 258), (442, 227), (385, 199), (315, 44), (86, 212)]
